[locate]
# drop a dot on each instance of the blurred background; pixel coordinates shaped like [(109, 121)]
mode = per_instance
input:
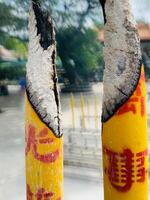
[(80, 64)]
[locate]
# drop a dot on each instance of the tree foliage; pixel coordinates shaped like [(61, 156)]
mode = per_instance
[(68, 12), (79, 52), (78, 48), (11, 71), (19, 46), (10, 22), (12, 27)]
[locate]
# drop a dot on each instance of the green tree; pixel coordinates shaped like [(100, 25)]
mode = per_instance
[(11, 71), (71, 19), (80, 53), (9, 21), (19, 46), (68, 12)]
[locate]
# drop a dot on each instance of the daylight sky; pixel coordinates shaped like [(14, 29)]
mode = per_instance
[(141, 10)]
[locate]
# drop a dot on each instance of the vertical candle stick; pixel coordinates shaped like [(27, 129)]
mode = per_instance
[(72, 106), (96, 112), (82, 103), (44, 151), (124, 117)]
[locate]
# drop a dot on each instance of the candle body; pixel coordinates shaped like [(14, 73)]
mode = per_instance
[(125, 149), (44, 159)]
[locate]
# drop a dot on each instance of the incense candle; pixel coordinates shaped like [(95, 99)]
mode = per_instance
[(44, 141), (124, 117)]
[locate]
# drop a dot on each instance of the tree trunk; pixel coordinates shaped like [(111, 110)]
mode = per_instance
[(124, 118), (44, 145)]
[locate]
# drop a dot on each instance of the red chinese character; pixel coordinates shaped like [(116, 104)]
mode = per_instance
[(141, 172), (32, 141), (29, 193), (129, 106), (138, 90), (142, 106), (120, 169), (42, 195)]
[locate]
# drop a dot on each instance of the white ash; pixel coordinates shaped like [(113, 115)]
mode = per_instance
[(122, 56), (40, 82)]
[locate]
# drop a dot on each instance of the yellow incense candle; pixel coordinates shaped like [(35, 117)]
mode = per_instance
[(124, 117), (72, 106), (44, 159), (44, 141), (125, 152), (82, 103)]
